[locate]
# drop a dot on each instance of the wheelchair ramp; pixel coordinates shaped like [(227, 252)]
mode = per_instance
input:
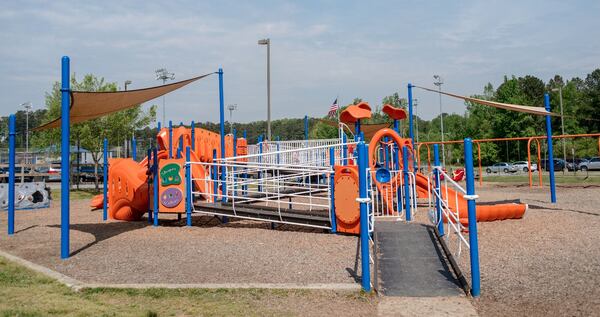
[(411, 263)]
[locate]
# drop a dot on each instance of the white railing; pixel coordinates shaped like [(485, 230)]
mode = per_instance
[(254, 180), (450, 213), (296, 152)]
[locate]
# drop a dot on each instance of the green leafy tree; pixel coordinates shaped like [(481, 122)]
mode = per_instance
[(116, 127)]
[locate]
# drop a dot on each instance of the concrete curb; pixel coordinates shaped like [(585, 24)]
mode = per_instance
[(78, 285)]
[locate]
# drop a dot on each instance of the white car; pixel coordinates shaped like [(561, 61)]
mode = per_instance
[(522, 166)]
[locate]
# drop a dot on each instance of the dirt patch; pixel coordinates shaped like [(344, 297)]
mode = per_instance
[(208, 252)]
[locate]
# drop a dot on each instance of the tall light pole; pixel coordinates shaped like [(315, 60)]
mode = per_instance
[(438, 82), (415, 104), (127, 83), (231, 108), (562, 123), (267, 42), (163, 74), (27, 106)]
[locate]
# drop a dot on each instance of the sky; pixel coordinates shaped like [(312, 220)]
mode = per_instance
[(320, 50)]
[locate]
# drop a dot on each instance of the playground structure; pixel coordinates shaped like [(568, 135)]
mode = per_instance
[(338, 185)]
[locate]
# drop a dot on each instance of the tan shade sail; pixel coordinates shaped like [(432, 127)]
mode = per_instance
[(506, 106), (91, 105)]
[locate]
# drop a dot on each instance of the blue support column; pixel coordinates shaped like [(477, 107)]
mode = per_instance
[(134, 148), (188, 188), (155, 186), (222, 126), (438, 189), (357, 130), (105, 180), (170, 139), (364, 217), (305, 127), (406, 183), (11, 174), (471, 206), (65, 149), (550, 150), (332, 189), (157, 132), (193, 136), (149, 161)]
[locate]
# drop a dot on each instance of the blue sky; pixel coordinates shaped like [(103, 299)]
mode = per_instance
[(320, 50)]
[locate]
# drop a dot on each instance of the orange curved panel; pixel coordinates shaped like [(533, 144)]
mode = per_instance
[(354, 113), (394, 113), (347, 209)]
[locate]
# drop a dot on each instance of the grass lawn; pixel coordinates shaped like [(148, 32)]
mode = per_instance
[(568, 178), (76, 194), (27, 293)]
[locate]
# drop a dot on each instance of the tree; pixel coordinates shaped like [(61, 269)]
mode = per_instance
[(115, 127)]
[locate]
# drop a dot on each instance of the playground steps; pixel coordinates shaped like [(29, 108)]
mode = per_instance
[(410, 262), (266, 213)]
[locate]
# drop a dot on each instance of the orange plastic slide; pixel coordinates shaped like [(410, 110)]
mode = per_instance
[(484, 212)]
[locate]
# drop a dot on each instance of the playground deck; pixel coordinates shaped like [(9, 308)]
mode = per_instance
[(411, 263)]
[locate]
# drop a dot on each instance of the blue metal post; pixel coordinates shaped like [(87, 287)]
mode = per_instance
[(406, 183), (364, 220), (222, 122), (193, 137), (332, 189), (155, 185), (473, 244), (65, 104), (170, 139), (305, 127), (180, 147), (134, 148), (149, 184), (550, 150), (188, 183), (438, 188), (11, 173), (357, 130), (157, 132), (105, 180)]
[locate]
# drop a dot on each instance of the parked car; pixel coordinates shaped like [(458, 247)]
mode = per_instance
[(54, 173), (559, 165), (591, 165), (501, 167), (523, 166), (573, 164)]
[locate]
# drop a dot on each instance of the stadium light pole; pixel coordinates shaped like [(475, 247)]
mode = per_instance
[(127, 83), (562, 124), (415, 104), (438, 82), (163, 74), (267, 42), (27, 106), (231, 108)]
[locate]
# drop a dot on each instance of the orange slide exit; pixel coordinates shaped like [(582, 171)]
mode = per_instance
[(484, 212)]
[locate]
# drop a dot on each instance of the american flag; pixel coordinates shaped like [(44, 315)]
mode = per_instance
[(333, 109)]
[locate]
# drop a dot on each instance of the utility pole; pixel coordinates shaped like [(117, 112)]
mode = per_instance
[(562, 124), (267, 42), (27, 106), (231, 108), (163, 74), (438, 82)]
